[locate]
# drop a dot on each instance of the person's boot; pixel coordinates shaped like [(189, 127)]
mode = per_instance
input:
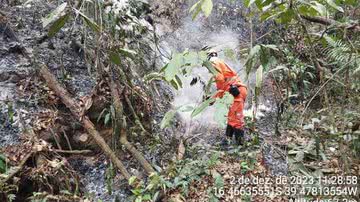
[(226, 141), (229, 131), (239, 136)]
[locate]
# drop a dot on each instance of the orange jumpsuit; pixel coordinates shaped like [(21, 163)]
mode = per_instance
[(224, 79)]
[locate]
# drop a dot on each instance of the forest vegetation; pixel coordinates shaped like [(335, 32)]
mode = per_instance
[(88, 89)]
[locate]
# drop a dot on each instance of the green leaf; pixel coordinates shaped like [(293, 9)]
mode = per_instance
[(244, 165), (202, 55), (194, 6), (307, 10), (178, 81), (54, 15), (192, 58), (330, 41), (351, 2), (267, 2), (115, 58), (207, 7), (334, 5), (248, 2), (218, 179), (57, 25), (95, 27), (280, 67), (286, 16), (271, 46), (2, 157), (2, 166), (259, 76), (107, 118), (153, 76), (175, 84), (173, 67), (267, 15), (132, 180), (210, 67), (321, 9), (222, 107), (195, 9), (127, 52), (264, 57), (186, 108), (147, 197), (202, 106), (254, 52), (229, 53), (165, 122)]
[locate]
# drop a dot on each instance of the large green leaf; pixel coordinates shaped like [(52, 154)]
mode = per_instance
[(254, 52), (320, 8), (207, 7), (95, 27), (192, 58), (264, 57), (222, 108), (307, 10), (210, 67), (218, 179), (55, 15), (174, 67), (286, 16), (334, 5), (195, 9), (202, 106), (57, 25), (269, 15), (166, 121)]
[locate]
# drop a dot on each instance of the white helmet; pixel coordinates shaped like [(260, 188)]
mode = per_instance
[(212, 53)]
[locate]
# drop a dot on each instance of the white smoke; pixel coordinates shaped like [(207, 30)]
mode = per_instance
[(193, 35)]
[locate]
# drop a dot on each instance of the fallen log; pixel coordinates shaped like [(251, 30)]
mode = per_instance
[(75, 109)]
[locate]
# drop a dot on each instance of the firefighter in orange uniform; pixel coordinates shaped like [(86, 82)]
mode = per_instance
[(227, 80)]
